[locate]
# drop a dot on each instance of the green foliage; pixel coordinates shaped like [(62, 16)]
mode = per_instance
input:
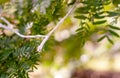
[(116, 2), (114, 27), (93, 12), (18, 56)]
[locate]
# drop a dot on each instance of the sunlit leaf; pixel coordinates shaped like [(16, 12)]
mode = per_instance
[(98, 16), (99, 22), (81, 17), (114, 33), (114, 27), (101, 38), (110, 40), (112, 14), (79, 29)]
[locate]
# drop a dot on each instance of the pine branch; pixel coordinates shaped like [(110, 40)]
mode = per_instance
[(39, 49), (10, 28)]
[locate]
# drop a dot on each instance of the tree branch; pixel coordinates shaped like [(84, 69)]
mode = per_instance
[(39, 49), (46, 37), (10, 28)]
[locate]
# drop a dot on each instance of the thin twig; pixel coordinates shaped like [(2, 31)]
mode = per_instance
[(46, 37), (6, 21), (39, 49), (10, 28)]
